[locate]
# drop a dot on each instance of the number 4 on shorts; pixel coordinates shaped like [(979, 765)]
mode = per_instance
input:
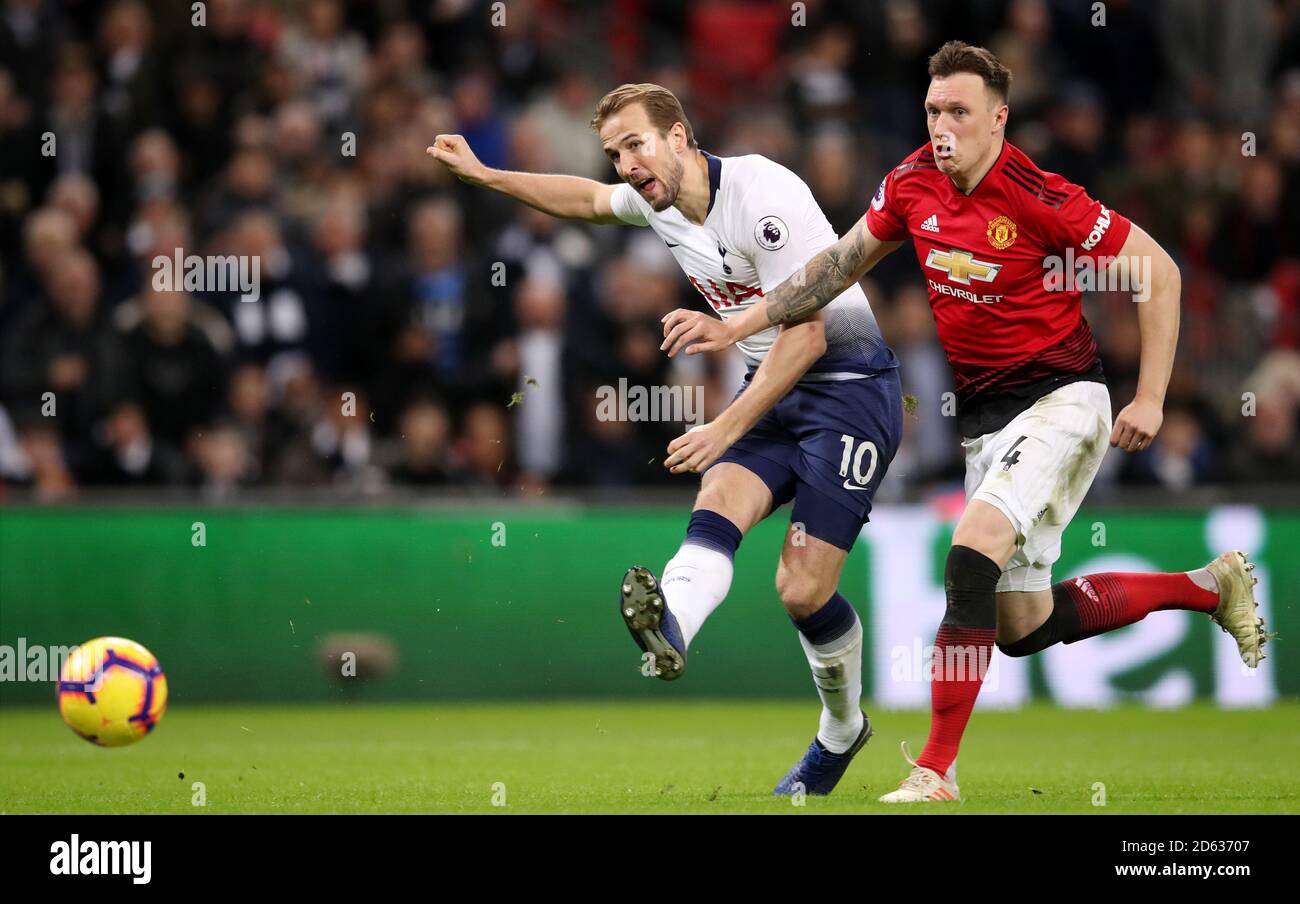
[(1012, 455)]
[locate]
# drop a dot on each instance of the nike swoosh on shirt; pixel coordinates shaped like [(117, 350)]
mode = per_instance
[(673, 244), (849, 486)]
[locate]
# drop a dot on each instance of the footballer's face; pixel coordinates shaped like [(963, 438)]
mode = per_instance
[(644, 157), (963, 118)]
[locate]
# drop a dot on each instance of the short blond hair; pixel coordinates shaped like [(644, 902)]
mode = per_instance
[(661, 105)]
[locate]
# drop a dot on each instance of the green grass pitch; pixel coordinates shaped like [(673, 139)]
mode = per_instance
[(618, 757)]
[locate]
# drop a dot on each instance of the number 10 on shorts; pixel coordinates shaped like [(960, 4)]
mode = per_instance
[(854, 457)]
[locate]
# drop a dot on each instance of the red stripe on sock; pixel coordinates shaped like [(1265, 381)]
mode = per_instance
[(1115, 599), (961, 657)]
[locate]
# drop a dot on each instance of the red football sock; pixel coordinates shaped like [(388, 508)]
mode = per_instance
[(1115, 599), (961, 656), (1102, 602)]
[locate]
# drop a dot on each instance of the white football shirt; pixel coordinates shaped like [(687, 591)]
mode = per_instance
[(763, 224)]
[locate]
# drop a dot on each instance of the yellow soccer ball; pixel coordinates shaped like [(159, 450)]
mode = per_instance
[(112, 691)]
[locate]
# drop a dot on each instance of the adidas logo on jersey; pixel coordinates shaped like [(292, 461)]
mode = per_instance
[(931, 223)]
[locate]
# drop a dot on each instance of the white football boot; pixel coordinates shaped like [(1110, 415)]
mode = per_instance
[(1238, 613), (921, 785)]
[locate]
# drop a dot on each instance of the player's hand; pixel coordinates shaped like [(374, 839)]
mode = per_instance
[(453, 151), (694, 331), (698, 448), (1137, 425)]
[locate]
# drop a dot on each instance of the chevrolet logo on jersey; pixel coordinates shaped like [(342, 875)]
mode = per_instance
[(962, 266)]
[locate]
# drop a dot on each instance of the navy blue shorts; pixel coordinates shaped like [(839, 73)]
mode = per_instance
[(827, 446)]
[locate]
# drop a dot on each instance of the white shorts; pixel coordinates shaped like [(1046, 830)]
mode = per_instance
[(1036, 471)]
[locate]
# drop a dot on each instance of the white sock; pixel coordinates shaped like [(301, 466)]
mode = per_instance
[(695, 581), (837, 672)]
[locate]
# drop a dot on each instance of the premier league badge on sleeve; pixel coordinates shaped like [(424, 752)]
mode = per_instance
[(878, 200), (771, 233)]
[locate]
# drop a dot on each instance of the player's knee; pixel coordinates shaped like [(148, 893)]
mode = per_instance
[(1010, 632), (710, 496), (717, 499), (970, 581), (1035, 623), (986, 530), (1020, 616), (802, 592), (742, 508)]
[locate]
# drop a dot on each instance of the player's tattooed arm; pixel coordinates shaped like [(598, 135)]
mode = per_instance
[(801, 296), (822, 280)]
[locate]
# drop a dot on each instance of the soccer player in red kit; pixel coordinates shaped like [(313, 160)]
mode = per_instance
[(996, 238)]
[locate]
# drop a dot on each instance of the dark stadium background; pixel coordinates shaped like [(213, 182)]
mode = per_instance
[(398, 448), (396, 454), (377, 268)]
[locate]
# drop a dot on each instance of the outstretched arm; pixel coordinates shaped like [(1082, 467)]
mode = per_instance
[(821, 280), (571, 197)]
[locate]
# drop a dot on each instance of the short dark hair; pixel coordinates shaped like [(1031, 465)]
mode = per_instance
[(958, 56)]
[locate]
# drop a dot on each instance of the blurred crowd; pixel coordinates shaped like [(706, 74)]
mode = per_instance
[(412, 331)]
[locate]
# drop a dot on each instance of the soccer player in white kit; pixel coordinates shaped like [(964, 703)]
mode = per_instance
[(818, 419)]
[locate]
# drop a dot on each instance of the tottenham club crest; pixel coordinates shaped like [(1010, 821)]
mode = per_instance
[(771, 233)]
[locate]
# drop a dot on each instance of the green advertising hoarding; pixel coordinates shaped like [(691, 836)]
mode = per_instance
[(520, 602)]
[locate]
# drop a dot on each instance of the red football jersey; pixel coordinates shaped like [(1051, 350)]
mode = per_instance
[(1009, 338)]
